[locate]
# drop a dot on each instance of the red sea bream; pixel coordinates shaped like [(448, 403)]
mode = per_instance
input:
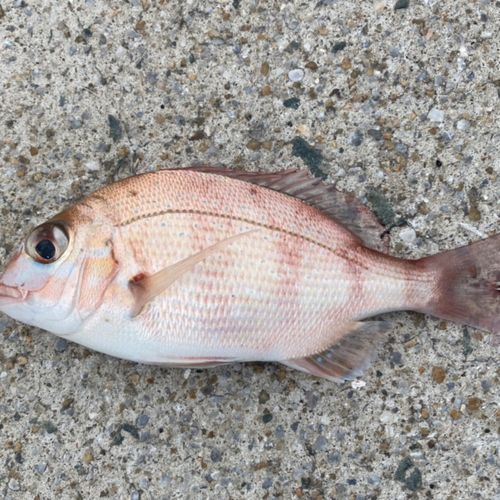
[(199, 267)]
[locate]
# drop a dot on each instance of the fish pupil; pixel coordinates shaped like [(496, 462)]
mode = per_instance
[(45, 249)]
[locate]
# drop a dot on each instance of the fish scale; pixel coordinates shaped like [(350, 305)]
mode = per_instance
[(198, 267)]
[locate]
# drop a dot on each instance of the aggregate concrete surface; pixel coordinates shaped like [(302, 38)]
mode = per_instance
[(397, 102)]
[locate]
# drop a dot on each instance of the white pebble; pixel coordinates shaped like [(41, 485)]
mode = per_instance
[(463, 125), (14, 485), (296, 75), (435, 115), (93, 165), (120, 52), (408, 235), (388, 417)]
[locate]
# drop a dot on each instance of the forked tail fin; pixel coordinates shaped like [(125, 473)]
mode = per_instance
[(467, 287)]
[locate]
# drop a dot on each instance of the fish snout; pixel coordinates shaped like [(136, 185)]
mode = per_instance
[(11, 294)]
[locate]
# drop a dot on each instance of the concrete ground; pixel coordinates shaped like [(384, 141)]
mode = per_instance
[(397, 102)]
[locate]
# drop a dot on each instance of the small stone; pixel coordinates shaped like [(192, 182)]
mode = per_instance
[(21, 360), (379, 6), (212, 150), (387, 417), (425, 414), (33, 151), (263, 397), (14, 485), (115, 129), (435, 115), (454, 414), (264, 68), (267, 483), (267, 417), (213, 34), (215, 455), (463, 125), (396, 357), (93, 166), (474, 214), (292, 103), (438, 374), (140, 25), (312, 66), (345, 64), (296, 75), (381, 207), (49, 427), (356, 138), (408, 235), (373, 479), (88, 457), (485, 385), (142, 421), (473, 404), (266, 90), (375, 134), (61, 345), (160, 119), (253, 145), (401, 4), (320, 444), (67, 403), (338, 47), (40, 468)]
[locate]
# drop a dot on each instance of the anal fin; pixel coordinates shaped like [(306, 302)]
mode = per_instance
[(347, 358)]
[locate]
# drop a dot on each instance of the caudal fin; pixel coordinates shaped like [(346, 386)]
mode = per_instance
[(468, 286)]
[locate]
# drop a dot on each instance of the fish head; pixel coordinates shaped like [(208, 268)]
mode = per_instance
[(48, 281)]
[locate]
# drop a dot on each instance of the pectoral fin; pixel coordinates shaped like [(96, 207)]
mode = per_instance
[(151, 286)]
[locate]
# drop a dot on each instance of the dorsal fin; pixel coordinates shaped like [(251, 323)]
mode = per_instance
[(342, 207)]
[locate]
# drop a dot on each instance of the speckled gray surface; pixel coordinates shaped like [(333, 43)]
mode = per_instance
[(397, 102)]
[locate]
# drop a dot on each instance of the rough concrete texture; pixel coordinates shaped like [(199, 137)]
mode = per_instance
[(395, 101)]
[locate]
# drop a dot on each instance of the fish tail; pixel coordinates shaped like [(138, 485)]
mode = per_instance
[(467, 285)]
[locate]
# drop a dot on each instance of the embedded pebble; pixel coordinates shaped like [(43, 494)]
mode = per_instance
[(408, 235), (93, 166), (356, 138), (14, 485), (296, 75), (436, 115), (61, 345), (142, 421), (320, 444), (40, 468), (388, 417)]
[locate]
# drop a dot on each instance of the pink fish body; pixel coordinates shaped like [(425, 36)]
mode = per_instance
[(199, 267)]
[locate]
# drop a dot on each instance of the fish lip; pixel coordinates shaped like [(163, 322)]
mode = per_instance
[(11, 294)]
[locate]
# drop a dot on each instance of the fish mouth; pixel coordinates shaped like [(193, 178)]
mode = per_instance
[(11, 295)]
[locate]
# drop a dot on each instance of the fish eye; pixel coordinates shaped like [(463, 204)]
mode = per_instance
[(45, 249), (46, 243)]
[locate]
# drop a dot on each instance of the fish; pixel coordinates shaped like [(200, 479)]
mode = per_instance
[(200, 266)]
